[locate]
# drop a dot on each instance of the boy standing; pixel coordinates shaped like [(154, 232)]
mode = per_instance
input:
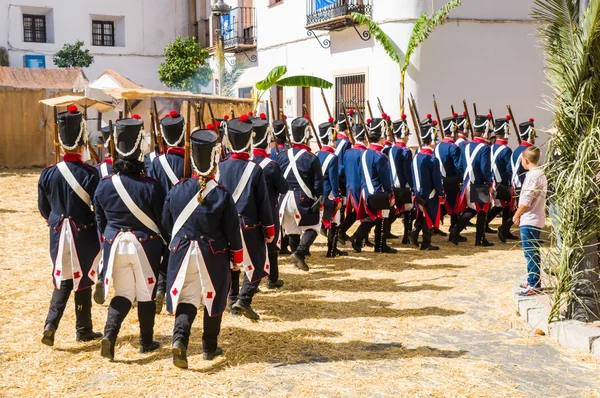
[(531, 217)]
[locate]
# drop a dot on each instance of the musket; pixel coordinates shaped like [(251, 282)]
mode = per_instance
[(370, 111), (159, 140), (198, 123), (89, 145), (285, 127), (415, 122), (437, 115), (212, 115), (56, 141), (491, 114), (414, 104), (111, 143), (389, 125), (350, 136), (272, 108), (514, 123), (312, 126), (362, 120), (326, 104), (188, 149), (452, 109), (231, 110), (469, 125), (475, 109)]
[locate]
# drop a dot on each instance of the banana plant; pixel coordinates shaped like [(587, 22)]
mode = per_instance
[(421, 31)]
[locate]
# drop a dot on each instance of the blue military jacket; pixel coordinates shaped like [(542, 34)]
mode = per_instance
[(175, 159), (501, 162), (481, 162), (429, 189), (519, 172), (402, 157), (449, 155), (352, 171)]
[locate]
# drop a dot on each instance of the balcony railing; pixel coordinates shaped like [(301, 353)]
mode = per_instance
[(334, 14), (238, 29)]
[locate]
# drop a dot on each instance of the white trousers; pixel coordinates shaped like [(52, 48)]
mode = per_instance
[(289, 224), (67, 256), (191, 292), (127, 274)]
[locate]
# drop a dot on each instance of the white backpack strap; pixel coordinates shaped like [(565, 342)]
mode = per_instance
[(73, 183), (325, 164), (168, 169), (243, 181), (515, 170), (292, 159), (437, 155), (191, 207), (470, 158), (103, 170), (416, 174), (367, 174), (292, 166), (340, 147), (495, 169), (152, 156), (133, 208), (395, 178), (265, 162)]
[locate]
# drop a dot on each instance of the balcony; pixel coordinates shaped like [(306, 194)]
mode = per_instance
[(334, 14), (238, 29)]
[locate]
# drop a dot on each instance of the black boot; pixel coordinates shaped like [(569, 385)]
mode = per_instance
[(299, 256), (184, 318), (381, 245), (99, 291), (83, 316), (273, 282), (331, 237), (294, 241), (59, 300), (337, 252), (504, 229), (146, 315), (117, 311), (426, 244), (463, 220), (480, 239), (285, 242), (210, 334), (388, 226), (407, 221)]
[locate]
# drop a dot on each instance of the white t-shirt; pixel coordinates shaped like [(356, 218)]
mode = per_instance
[(533, 195)]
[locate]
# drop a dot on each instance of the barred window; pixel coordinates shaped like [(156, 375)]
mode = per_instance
[(103, 33), (34, 28), (350, 90)]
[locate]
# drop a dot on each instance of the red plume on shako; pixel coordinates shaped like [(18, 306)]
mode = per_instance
[(508, 117), (226, 117), (531, 120), (218, 123), (307, 117), (330, 120), (250, 113), (210, 126), (428, 116), (72, 109), (455, 115), (263, 116), (244, 118), (403, 116), (351, 112), (435, 123), (369, 121), (384, 115), (136, 116)]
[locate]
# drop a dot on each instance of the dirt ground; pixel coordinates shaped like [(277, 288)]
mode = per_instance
[(413, 324)]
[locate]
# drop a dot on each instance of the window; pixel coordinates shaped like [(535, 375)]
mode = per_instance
[(34, 28), (103, 33), (279, 95), (350, 90), (245, 92)]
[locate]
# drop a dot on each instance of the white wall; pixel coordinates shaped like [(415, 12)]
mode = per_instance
[(489, 56), (144, 28)]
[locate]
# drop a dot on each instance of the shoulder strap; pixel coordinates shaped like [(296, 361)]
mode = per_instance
[(494, 156), (395, 178), (437, 155), (292, 167), (265, 162), (416, 174), (103, 170), (73, 183), (470, 158), (243, 181), (133, 208), (190, 208), (515, 169), (152, 156), (168, 169), (368, 180), (326, 162), (340, 147)]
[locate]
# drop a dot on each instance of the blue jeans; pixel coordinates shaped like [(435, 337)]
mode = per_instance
[(530, 237)]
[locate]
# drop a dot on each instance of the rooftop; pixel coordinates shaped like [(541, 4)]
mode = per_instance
[(72, 79)]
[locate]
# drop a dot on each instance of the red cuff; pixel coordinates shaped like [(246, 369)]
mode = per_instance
[(337, 200), (270, 231), (238, 256), (102, 238)]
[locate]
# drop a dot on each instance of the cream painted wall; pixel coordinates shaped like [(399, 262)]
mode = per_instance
[(148, 25)]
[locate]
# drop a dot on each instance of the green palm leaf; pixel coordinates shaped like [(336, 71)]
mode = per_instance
[(381, 37), (275, 74), (304, 81)]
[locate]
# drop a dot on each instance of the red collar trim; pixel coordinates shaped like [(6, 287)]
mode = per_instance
[(302, 146), (327, 148), (526, 143), (501, 142), (427, 151), (240, 156), (210, 177), (341, 135), (376, 147), (358, 145), (461, 135), (400, 144), (388, 143), (260, 152), (448, 139), (281, 145), (108, 161), (479, 140), (176, 150), (72, 158)]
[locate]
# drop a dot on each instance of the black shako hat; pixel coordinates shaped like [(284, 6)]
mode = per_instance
[(327, 132), (69, 128), (482, 123), (400, 127), (128, 138), (300, 130), (526, 129), (375, 129), (260, 127), (203, 144), (450, 125), (359, 132), (428, 131), (279, 128), (239, 133), (463, 122), (502, 125), (172, 129)]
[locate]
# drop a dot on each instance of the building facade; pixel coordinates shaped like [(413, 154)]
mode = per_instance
[(126, 36), (485, 53)]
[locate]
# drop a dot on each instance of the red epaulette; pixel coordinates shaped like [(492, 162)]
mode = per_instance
[(182, 180), (49, 166), (107, 177)]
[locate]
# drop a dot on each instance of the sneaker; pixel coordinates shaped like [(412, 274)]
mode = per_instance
[(524, 285), (529, 291)]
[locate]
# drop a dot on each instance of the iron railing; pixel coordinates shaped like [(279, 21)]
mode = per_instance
[(318, 11), (241, 29)]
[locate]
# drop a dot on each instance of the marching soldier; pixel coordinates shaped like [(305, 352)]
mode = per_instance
[(245, 180), (342, 145), (331, 190), (65, 190), (400, 162), (105, 168), (387, 148), (128, 209), (527, 134), (276, 186), (448, 155), (205, 237), (502, 173), (168, 170), (429, 189), (463, 131), (377, 196), (299, 212), (352, 172), (477, 183), (279, 135)]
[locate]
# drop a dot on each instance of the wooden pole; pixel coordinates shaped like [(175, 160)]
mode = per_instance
[(415, 122), (389, 125), (475, 110), (159, 140), (469, 124), (56, 140), (272, 108), (437, 115), (514, 123), (370, 110), (312, 126), (414, 104), (350, 136), (111, 143), (188, 149), (285, 127), (326, 104)]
